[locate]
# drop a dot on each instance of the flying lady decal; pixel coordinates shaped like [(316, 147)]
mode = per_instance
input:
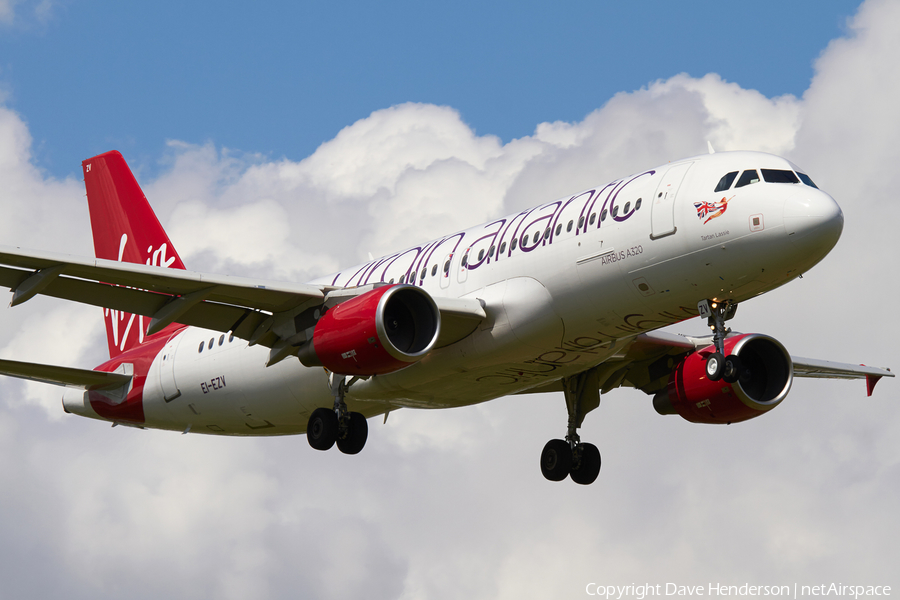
[(711, 210)]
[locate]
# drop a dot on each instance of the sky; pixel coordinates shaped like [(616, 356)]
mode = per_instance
[(291, 140)]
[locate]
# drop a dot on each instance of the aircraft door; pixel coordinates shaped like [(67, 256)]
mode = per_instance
[(167, 369), (662, 216)]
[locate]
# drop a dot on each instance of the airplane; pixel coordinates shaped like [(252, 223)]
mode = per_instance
[(568, 296)]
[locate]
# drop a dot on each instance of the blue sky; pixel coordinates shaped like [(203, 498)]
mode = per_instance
[(281, 78)]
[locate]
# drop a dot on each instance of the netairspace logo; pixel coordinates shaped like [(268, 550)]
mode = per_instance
[(650, 590)]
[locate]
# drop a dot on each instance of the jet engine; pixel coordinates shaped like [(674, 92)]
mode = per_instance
[(378, 332), (765, 379)]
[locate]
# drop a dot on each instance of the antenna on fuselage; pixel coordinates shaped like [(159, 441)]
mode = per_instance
[(711, 149)]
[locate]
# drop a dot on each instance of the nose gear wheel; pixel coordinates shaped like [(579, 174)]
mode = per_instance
[(719, 366)]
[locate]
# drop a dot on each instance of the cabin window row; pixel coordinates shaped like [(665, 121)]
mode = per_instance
[(522, 241), (209, 345)]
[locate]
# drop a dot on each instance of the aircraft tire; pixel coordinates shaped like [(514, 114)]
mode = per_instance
[(357, 434), (322, 429), (715, 366), (589, 467), (732, 368), (556, 460)]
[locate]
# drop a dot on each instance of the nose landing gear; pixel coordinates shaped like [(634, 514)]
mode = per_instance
[(327, 427), (719, 366), (572, 457)]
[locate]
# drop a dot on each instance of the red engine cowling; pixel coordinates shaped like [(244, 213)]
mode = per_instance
[(378, 332), (768, 373)]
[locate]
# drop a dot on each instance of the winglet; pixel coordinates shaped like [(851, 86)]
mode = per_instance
[(871, 380)]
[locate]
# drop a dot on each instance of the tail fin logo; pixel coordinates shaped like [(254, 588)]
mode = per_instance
[(120, 321)]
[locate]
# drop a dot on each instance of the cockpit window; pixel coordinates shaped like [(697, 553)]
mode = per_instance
[(805, 179), (747, 177), (726, 181), (779, 176)]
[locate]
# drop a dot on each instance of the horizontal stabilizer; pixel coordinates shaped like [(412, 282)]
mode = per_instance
[(67, 376)]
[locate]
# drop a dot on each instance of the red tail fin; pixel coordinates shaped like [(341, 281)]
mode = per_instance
[(125, 229)]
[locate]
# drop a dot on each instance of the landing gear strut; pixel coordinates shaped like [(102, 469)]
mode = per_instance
[(579, 460), (718, 366), (338, 425)]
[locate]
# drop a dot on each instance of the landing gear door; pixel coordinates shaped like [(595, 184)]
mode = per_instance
[(167, 368), (663, 212)]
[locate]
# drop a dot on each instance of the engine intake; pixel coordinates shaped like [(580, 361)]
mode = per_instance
[(766, 378), (375, 333)]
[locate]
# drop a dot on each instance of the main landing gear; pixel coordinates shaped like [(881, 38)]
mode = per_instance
[(329, 426), (719, 366), (571, 457)]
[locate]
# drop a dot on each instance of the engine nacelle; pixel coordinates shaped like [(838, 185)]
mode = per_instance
[(766, 379), (378, 332)]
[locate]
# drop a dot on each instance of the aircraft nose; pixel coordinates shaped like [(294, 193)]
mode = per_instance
[(813, 221)]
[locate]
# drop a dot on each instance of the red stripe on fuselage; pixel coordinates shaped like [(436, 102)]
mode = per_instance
[(131, 410)]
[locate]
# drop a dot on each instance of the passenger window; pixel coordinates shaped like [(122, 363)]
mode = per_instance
[(230, 337), (434, 270), (221, 339), (603, 215), (546, 233), (627, 206), (491, 252), (779, 176), (200, 349), (805, 179), (726, 181), (593, 218), (569, 226), (502, 248), (637, 204), (447, 267), (465, 260), (559, 229), (747, 177), (580, 222), (515, 241), (481, 254), (211, 340), (615, 211)]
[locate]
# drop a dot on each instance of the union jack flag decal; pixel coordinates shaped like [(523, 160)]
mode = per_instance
[(711, 210)]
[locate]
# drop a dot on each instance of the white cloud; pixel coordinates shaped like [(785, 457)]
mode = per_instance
[(449, 504), (11, 10)]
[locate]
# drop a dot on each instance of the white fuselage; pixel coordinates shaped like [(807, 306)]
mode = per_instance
[(562, 299)]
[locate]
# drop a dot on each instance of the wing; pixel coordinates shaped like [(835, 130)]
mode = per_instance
[(646, 360), (83, 378), (826, 369), (261, 311)]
